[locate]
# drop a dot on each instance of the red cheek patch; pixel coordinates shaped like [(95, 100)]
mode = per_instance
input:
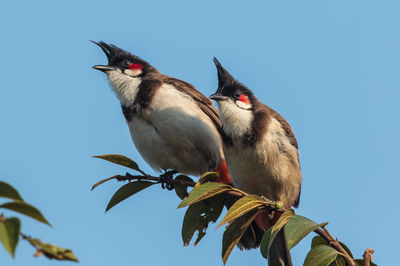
[(244, 98), (134, 66)]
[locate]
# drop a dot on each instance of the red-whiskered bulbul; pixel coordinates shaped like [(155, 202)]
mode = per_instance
[(172, 124), (261, 152)]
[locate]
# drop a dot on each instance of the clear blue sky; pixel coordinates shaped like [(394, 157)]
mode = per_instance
[(331, 68)]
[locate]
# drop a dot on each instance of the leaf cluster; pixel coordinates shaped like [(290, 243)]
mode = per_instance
[(10, 227), (205, 203)]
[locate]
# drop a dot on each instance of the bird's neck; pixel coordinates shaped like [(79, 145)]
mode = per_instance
[(125, 87), (237, 122)]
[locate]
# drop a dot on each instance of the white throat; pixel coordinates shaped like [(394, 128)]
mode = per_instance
[(236, 121), (124, 86)]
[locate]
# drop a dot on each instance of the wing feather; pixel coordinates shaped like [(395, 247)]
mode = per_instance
[(203, 102)]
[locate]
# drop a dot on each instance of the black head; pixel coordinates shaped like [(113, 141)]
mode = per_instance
[(119, 59), (230, 88)]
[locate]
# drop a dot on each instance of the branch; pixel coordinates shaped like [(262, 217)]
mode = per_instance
[(129, 177), (167, 181), (335, 244), (236, 192), (272, 205)]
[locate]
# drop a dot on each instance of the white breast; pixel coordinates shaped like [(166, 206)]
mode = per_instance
[(124, 86), (174, 133), (236, 121)]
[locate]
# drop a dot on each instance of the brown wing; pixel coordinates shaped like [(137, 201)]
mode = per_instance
[(290, 135), (204, 103), (285, 125)]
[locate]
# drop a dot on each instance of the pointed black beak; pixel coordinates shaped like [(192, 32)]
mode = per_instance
[(104, 68), (218, 97), (110, 51)]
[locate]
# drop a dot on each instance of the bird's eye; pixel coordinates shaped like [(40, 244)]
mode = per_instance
[(236, 95), (126, 63)]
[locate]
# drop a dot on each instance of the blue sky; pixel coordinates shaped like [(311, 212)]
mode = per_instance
[(331, 68)]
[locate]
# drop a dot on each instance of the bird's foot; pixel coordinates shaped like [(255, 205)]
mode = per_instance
[(166, 179), (127, 177)]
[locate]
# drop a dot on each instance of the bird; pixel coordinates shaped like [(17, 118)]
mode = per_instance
[(173, 125), (261, 152)]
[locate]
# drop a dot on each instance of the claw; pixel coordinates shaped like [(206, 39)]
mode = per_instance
[(166, 178)]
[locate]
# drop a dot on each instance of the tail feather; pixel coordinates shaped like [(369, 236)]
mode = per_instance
[(251, 237)]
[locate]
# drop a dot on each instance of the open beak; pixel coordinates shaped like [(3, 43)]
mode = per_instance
[(218, 97), (104, 68)]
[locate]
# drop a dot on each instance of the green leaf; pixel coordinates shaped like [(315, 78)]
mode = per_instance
[(318, 240), (204, 191), (181, 191), (121, 160), (207, 177), (241, 207), (321, 255), (7, 191), (299, 227), (339, 261), (360, 262), (234, 233), (52, 251), (126, 191), (9, 233), (26, 209), (199, 215), (271, 233)]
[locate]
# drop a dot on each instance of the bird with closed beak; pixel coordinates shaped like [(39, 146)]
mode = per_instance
[(261, 153)]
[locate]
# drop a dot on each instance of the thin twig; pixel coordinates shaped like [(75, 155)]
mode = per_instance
[(129, 177)]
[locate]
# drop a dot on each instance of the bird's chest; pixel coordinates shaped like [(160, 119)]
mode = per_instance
[(249, 170), (144, 134), (257, 169), (167, 111), (172, 132)]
